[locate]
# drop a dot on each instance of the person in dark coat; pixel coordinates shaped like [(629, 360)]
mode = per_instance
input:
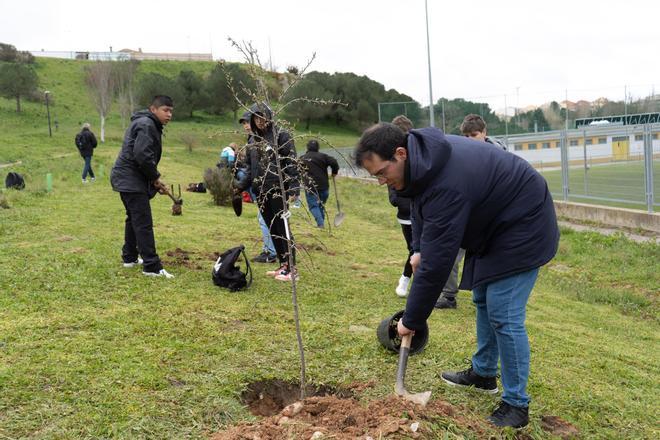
[(86, 142), (267, 254), (270, 145), (136, 177), (495, 205), (317, 188)]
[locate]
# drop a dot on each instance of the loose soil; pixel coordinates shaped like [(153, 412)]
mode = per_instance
[(337, 416), (180, 257)]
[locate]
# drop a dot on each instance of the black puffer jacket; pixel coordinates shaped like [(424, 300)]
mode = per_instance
[(86, 142), (136, 167), (261, 161)]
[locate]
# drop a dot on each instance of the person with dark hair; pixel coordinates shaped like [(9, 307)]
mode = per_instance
[(447, 299), (317, 188), (497, 207), (271, 156), (267, 254), (86, 143), (474, 126), (135, 176)]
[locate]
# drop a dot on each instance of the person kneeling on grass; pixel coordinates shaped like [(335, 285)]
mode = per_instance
[(136, 178), (466, 194)]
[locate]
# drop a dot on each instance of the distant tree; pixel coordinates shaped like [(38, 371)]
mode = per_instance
[(152, 84), (124, 73), (305, 110), (100, 82), (221, 81), (8, 53), (193, 94), (17, 81)]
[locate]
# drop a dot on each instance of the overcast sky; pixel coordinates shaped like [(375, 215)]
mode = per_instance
[(531, 51)]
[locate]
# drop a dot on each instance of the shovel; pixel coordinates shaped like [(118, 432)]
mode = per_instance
[(178, 202), (339, 218), (400, 389)]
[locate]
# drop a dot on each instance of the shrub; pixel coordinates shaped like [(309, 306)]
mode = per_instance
[(218, 182)]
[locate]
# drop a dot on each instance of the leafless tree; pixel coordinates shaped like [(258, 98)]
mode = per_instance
[(100, 83), (260, 94), (124, 82)]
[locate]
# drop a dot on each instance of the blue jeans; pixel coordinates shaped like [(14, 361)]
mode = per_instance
[(268, 247), (501, 333), (316, 204), (87, 168)]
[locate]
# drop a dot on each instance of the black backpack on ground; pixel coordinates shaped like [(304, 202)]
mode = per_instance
[(15, 181), (226, 274)]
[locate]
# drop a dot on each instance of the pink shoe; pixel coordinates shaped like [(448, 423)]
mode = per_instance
[(286, 275), (272, 273)]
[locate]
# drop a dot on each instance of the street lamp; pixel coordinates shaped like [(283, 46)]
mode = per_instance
[(428, 53), (50, 131)]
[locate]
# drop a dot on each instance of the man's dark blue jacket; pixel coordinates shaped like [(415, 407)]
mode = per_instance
[(467, 194)]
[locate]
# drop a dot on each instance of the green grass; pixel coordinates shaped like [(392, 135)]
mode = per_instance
[(91, 350), (624, 181)]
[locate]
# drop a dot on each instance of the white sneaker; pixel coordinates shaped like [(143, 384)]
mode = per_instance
[(162, 273), (402, 288), (134, 263), (93, 179), (84, 180)]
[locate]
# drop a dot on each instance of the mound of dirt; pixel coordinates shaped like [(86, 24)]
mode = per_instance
[(333, 417)]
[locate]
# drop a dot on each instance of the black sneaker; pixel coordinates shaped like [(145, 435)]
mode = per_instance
[(264, 257), (468, 378), (445, 303), (509, 415)]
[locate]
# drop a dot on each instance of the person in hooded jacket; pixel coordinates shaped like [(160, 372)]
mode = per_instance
[(447, 299), (495, 205), (317, 188), (267, 254), (270, 144), (136, 177), (86, 142)]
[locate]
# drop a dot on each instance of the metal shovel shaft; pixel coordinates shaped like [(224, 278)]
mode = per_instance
[(400, 388)]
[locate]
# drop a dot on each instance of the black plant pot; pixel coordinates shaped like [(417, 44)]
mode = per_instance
[(389, 337)]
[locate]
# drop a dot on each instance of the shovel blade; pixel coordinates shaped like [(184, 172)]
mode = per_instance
[(418, 398), (339, 218)]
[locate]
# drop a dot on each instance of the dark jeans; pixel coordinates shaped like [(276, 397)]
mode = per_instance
[(87, 168), (407, 233), (139, 232), (271, 206)]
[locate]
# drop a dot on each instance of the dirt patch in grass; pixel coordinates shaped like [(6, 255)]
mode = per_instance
[(180, 257), (337, 416), (558, 427)]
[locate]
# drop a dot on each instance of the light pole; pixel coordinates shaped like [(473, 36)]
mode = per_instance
[(428, 53), (50, 131)]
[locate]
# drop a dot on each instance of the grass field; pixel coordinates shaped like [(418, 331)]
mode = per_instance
[(623, 181), (91, 350)]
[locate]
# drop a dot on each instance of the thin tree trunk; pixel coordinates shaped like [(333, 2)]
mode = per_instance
[(102, 129), (18, 103)]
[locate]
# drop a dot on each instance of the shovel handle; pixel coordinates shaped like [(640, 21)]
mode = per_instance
[(334, 185), (400, 388)]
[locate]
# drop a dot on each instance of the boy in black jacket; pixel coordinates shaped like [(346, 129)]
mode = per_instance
[(86, 142), (317, 188), (135, 176)]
